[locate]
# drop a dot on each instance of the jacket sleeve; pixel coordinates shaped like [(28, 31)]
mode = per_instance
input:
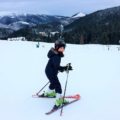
[(62, 68)]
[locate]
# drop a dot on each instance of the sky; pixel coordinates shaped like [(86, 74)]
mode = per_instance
[(55, 7)]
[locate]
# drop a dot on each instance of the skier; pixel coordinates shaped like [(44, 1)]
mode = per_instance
[(53, 66)]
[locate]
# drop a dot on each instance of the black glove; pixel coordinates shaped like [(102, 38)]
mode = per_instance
[(68, 67), (65, 68)]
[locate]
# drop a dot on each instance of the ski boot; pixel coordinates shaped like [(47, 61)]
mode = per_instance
[(59, 102), (51, 94)]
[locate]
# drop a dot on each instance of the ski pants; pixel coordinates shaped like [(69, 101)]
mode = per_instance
[(55, 84)]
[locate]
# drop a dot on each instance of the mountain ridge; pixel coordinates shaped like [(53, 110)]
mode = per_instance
[(101, 27)]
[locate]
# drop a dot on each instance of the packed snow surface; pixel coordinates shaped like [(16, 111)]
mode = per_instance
[(96, 77)]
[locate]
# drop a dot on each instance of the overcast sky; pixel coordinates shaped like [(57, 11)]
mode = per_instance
[(55, 7)]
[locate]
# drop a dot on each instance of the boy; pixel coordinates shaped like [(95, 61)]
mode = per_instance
[(52, 68)]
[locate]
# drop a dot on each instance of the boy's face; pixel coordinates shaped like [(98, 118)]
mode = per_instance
[(61, 49)]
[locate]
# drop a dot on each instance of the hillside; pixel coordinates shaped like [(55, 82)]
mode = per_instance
[(17, 23), (95, 77), (99, 27)]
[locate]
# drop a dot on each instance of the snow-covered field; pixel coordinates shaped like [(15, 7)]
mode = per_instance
[(96, 77)]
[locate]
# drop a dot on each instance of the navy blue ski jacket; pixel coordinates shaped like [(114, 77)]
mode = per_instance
[(53, 65)]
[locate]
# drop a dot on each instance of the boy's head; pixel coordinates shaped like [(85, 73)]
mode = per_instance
[(60, 45)]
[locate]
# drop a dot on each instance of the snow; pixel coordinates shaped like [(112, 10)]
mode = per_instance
[(18, 25), (77, 15), (22, 22), (3, 26), (96, 77)]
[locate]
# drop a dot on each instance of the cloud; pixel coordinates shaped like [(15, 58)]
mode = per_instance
[(58, 7)]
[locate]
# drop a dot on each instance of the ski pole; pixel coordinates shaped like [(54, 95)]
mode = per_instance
[(42, 88), (65, 89)]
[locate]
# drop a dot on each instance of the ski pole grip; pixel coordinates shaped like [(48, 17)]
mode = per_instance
[(68, 67)]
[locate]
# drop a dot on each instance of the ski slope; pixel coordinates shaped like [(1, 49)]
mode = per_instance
[(96, 77)]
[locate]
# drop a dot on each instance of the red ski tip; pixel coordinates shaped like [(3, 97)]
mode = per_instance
[(77, 96)]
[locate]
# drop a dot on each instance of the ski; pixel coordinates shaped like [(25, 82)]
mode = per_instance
[(54, 110), (77, 96), (39, 96)]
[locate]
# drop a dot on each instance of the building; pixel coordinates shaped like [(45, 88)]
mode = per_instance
[(17, 39)]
